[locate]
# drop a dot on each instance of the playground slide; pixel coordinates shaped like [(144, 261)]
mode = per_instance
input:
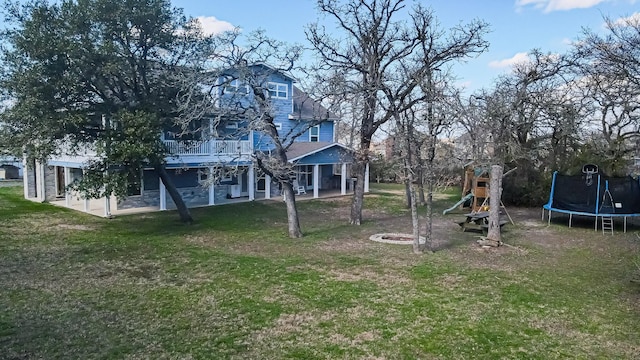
[(469, 196)]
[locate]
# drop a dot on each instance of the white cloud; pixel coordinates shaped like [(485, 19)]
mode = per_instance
[(210, 25), (464, 84), (548, 6), (519, 58), (633, 19)]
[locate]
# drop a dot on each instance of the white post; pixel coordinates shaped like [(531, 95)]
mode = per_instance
[(163, 196), (25, 176), (107, 205), (316, 180), (366, 178), (86, 199), (67, 181), (252, 183), (267, 187), (38, 176), (343, 180), (212, 189)]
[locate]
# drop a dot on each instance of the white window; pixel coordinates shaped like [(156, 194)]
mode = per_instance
[(278, 90), (278, 125), (231, 125), (203, 175), (235, 86), (314, 133)]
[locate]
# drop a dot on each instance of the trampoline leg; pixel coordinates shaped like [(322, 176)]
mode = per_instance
[(570, 218), (596, 228), (542, 214), (549, 219), (625, 224)]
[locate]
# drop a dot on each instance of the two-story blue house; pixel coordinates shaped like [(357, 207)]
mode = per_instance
[(226, 152)]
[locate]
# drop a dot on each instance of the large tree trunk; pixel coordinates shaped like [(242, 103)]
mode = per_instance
[(292, 211), (421, 198), (417, 247), (407, 191), (183, 210), (358, 196), (494, 203), (429, 203)]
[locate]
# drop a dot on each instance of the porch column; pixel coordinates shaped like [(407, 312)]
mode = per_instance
[(316, 180), (107, 205), (252, 183), (163, 196), (86, 199), (67, 181), (267, 187), (343, 180), (39, 175), (366, 178), (212, 189), (25, 176)]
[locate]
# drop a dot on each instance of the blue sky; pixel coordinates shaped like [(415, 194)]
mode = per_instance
[(517, 25)]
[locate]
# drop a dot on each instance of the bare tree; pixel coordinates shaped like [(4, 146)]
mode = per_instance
[(610, 70), (376, 45), (239, 83)]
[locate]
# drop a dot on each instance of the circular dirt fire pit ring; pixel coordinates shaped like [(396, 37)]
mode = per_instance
[(395, 238)]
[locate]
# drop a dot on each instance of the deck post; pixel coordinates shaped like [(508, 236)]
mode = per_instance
[(343, 180), (267, 186), (67, 181), (107, 205), (366, 178), (316, 180), (25, 176), (252, 182), (39, 176), (212, 189), (163, 196)]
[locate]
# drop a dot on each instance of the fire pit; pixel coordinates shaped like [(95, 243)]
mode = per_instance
[(395, 238)]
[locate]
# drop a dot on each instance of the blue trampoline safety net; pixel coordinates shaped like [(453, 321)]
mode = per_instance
[(579, 194)]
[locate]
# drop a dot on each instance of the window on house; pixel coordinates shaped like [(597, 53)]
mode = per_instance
[(278, 125), (203, 175), (231, 125), (314, 133), (236, 87), (305, 175), (278, 90), (194, 131)]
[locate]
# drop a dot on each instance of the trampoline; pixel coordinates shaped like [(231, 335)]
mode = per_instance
[(594, 195)]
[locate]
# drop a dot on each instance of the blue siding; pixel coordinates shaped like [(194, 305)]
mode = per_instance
[(332, 155), (326, 133), (262, 142)]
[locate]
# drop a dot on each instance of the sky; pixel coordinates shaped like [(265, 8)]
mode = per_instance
[(517, 26)]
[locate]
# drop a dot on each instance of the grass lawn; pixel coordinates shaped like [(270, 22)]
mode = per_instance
[(234, 286)]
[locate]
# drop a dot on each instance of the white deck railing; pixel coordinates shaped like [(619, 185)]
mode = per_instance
[(210, 147)]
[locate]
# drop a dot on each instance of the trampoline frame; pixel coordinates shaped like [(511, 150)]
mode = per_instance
[(549, 207)]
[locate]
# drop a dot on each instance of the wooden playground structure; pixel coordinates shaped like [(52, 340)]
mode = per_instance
[(475, 197)]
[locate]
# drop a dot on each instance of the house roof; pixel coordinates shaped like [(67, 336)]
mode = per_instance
[(273, 70), (299, 150), (305, 108)]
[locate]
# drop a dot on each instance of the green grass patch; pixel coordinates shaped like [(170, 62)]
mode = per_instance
[(234, 286)]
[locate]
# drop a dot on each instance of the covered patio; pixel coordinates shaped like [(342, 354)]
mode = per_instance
[(98, 207)]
